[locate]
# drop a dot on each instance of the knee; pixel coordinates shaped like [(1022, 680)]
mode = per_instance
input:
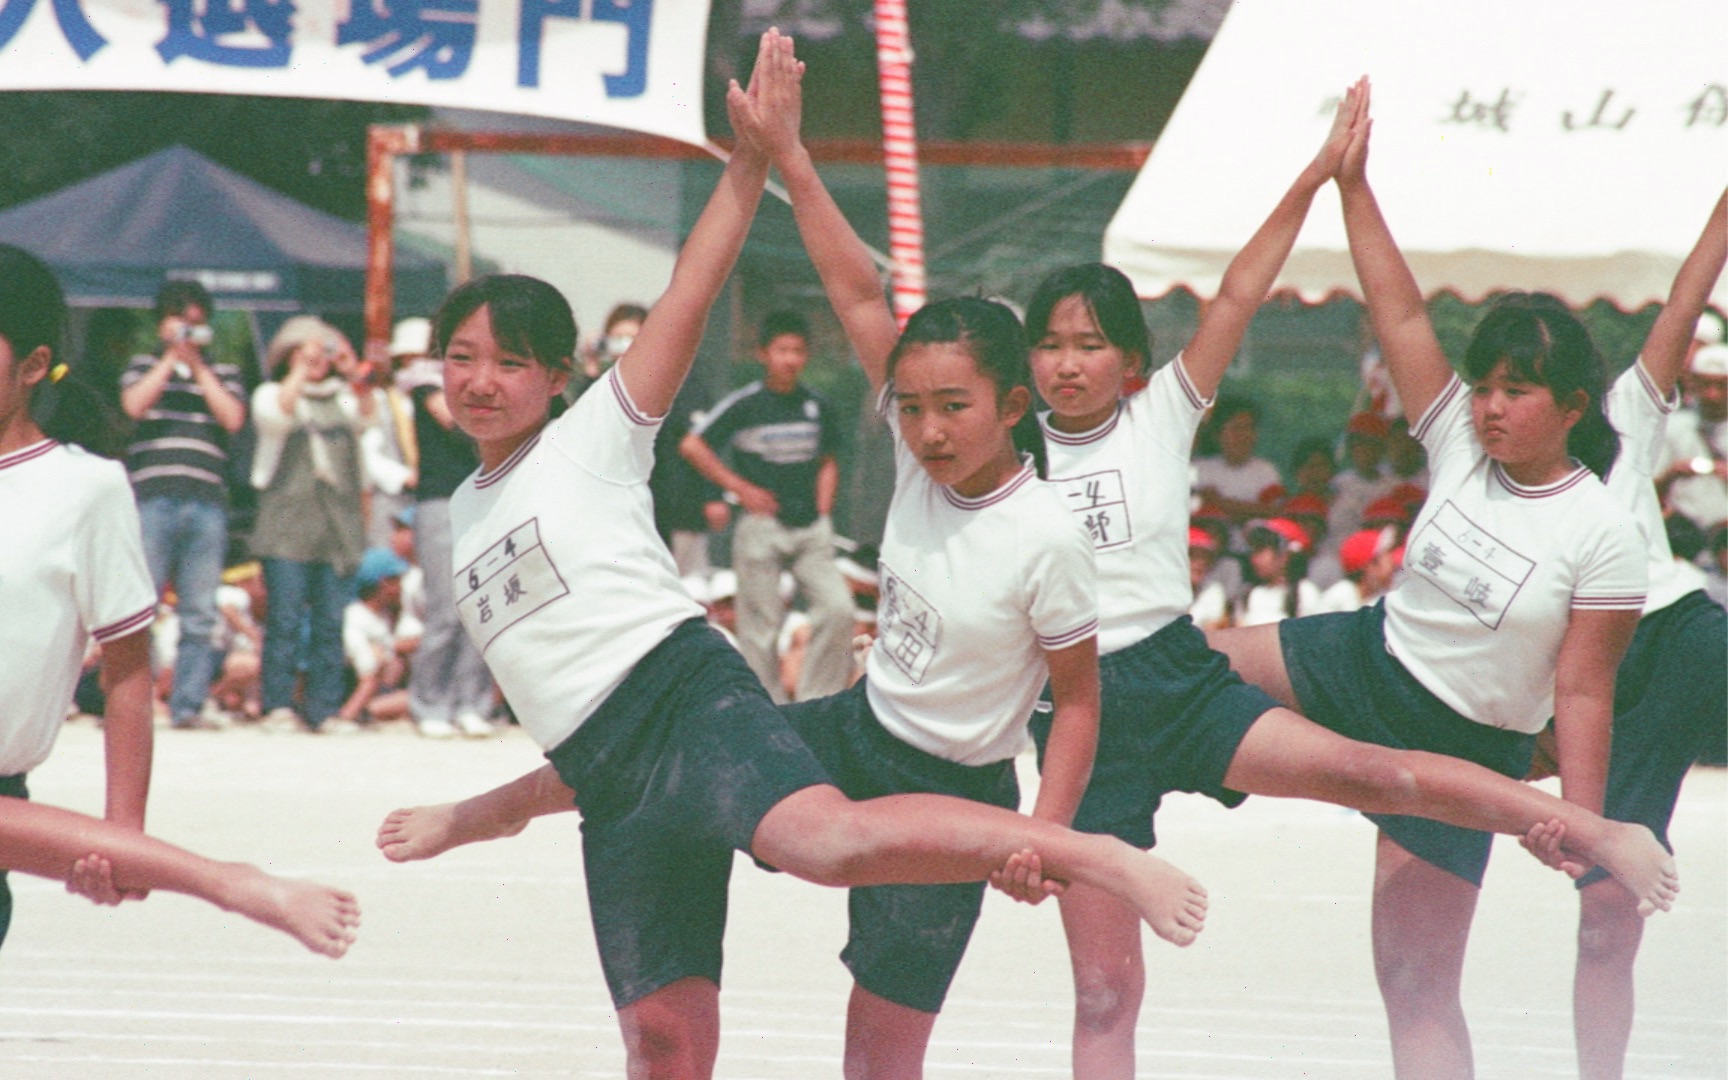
[(1609, 926), (1379, 776), (1107, 996), (659, 1045), (1411, 983), (835, 851)]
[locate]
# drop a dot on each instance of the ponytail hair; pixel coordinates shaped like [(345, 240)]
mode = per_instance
[(992, 333), (33, 316), (1542, 342)]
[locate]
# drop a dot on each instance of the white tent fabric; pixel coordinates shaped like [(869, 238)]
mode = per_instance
[(1574, 146)]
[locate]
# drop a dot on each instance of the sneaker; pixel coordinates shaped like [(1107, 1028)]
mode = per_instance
[(438, 729), (473, 725), (193, 723), (337, 725), (281, 721)]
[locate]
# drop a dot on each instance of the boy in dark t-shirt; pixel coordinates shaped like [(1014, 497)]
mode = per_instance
[(770, 445)]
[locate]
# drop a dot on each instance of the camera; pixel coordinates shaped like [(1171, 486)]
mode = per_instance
[(198, 334)]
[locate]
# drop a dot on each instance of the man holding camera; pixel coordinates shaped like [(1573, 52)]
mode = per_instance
[(185, 406)]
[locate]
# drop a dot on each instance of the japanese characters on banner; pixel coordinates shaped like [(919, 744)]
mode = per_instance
[(634, 64)]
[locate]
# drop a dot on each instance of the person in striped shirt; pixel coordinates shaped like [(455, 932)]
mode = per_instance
[(186, 405)]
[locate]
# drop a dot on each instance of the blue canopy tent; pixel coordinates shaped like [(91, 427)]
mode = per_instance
[(115, 238)]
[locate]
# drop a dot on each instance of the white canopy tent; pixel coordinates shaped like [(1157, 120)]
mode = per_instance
[(1574, 146)]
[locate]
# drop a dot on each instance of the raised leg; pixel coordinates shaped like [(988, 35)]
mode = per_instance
[(672, 1033), (47, 841), (1421, 924), (884, 1041), (821, 836)]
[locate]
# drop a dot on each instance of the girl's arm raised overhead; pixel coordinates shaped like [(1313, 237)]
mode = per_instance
[(654, 366), (1251, 273), (1664, 351), (771, 118), (1395, 308)]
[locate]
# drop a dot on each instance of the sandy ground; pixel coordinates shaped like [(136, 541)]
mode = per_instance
[(481, 963)]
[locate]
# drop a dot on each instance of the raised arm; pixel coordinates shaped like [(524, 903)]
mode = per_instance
[(1664, 351), (654, 366), (1251, 273), (771, 118), (1395, 308)]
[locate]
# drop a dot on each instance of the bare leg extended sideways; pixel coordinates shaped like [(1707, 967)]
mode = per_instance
[(49, 842)]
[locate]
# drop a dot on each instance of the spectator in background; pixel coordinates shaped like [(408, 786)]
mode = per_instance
[(1370, 559), (374, 653), (780, 438), (240, 600), (1234, 480), (310, 529), (1312, 469), (1278, 552), (687, 507), (387, 445), (1363, 479), (1406, 461), (1211, 607), (622, 325), (449, 688), (186, 406), (1695, 482)]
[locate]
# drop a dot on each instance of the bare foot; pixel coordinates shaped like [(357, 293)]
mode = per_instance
[(424, 831), (1633, 855), (321, 918), (1170, 901)]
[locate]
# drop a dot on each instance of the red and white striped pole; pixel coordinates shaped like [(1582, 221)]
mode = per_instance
[(900, 157)]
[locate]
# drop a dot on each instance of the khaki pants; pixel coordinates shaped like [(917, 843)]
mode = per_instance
[(761, 549)]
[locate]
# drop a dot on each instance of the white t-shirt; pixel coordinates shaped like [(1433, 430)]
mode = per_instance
[(1265, 603), (1344, 595), (1126, 483), (560, 578), (1243, 482), (1492, 571), (71, 569), (364, 633), (1640, 415), (1211, 606), (1704, 499), (973, 592)]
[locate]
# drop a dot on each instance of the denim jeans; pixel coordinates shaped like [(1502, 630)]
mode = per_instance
[(304, 592), (185, 541)]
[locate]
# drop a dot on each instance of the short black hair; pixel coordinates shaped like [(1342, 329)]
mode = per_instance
[(783, 322), (176, 295)]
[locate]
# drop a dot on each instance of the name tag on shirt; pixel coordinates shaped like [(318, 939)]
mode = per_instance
[(908, 629), (511, 580), (1469, 564), (1100, 502)]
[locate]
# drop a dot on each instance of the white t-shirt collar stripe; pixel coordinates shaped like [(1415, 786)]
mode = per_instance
[(1565, 483), (485, 479), (28, 453), (635, 415), (1666, 404), (989, 498), (1079, 438)]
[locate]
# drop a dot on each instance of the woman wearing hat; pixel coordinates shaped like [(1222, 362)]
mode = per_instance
[(310, 530)]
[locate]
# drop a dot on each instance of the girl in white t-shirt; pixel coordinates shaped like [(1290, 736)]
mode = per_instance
[(1670, 693), (1174, 716), (671, 746), (1278, 585), (1522, 585), (72, 570)]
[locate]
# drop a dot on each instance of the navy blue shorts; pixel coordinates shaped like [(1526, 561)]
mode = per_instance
[(1345, 680), (1670, 703), (1173, 716), (672, 774), (13, 786), (905, 941)]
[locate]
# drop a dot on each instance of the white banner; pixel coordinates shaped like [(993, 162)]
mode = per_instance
[(634, 64)]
